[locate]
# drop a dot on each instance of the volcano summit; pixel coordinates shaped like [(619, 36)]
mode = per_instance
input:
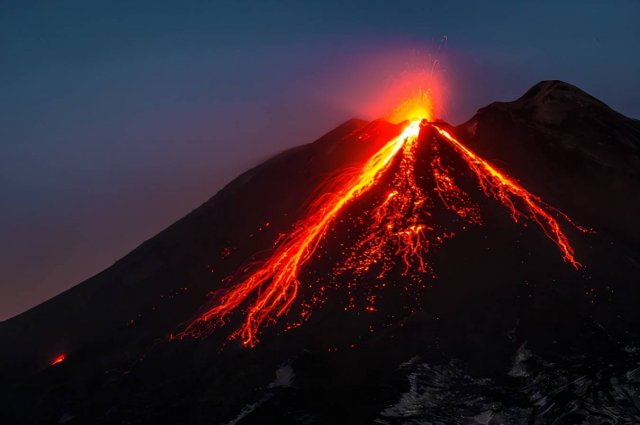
[(386, 273)]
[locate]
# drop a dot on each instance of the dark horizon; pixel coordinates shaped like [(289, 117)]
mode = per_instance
[(119, 119)]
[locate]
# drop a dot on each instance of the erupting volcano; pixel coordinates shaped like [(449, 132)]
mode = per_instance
[(400, 229), (395, 271)]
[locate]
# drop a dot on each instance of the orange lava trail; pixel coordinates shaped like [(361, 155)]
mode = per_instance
[(396, 229), (452, 197), (59, 359), (506, 190), (275, 282)]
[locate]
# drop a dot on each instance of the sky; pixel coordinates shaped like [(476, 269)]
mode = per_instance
[(117, 118)]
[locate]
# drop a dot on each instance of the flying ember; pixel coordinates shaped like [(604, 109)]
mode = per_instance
[(399, 230)]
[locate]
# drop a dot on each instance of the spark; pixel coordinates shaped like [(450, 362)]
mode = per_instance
[(416, 107)]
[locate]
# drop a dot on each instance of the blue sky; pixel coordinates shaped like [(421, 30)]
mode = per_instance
[(117, 118)]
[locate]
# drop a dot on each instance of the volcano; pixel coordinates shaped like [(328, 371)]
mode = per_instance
[(386, 273)]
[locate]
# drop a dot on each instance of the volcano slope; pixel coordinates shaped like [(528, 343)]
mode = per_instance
[(487, 325)]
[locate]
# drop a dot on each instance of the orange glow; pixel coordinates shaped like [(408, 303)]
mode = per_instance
[(58, 359), (399, 230), (373, 83), (416, 107)]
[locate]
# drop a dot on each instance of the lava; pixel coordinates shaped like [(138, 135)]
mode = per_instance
[(396, 229), (506, 190), (59, 359), (276, 280), (399, 229), (415, 107)]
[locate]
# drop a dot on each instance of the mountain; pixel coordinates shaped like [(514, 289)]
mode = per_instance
[(495, 328)]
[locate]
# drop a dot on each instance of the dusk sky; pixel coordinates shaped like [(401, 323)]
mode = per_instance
[(118, 118)]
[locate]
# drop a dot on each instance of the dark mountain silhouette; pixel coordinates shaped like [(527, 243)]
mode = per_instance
[(505, 332)]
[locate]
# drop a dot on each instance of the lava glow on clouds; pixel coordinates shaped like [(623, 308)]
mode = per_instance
[(392, 82), (412, 95)]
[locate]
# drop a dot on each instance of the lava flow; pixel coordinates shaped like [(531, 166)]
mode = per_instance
[(59, 359), (276, 280), (398, 231), (509, 192)]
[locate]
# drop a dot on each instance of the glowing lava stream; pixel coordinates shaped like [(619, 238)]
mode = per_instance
[(59, 359), (395, 222), (277, 278), (507, 191)]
